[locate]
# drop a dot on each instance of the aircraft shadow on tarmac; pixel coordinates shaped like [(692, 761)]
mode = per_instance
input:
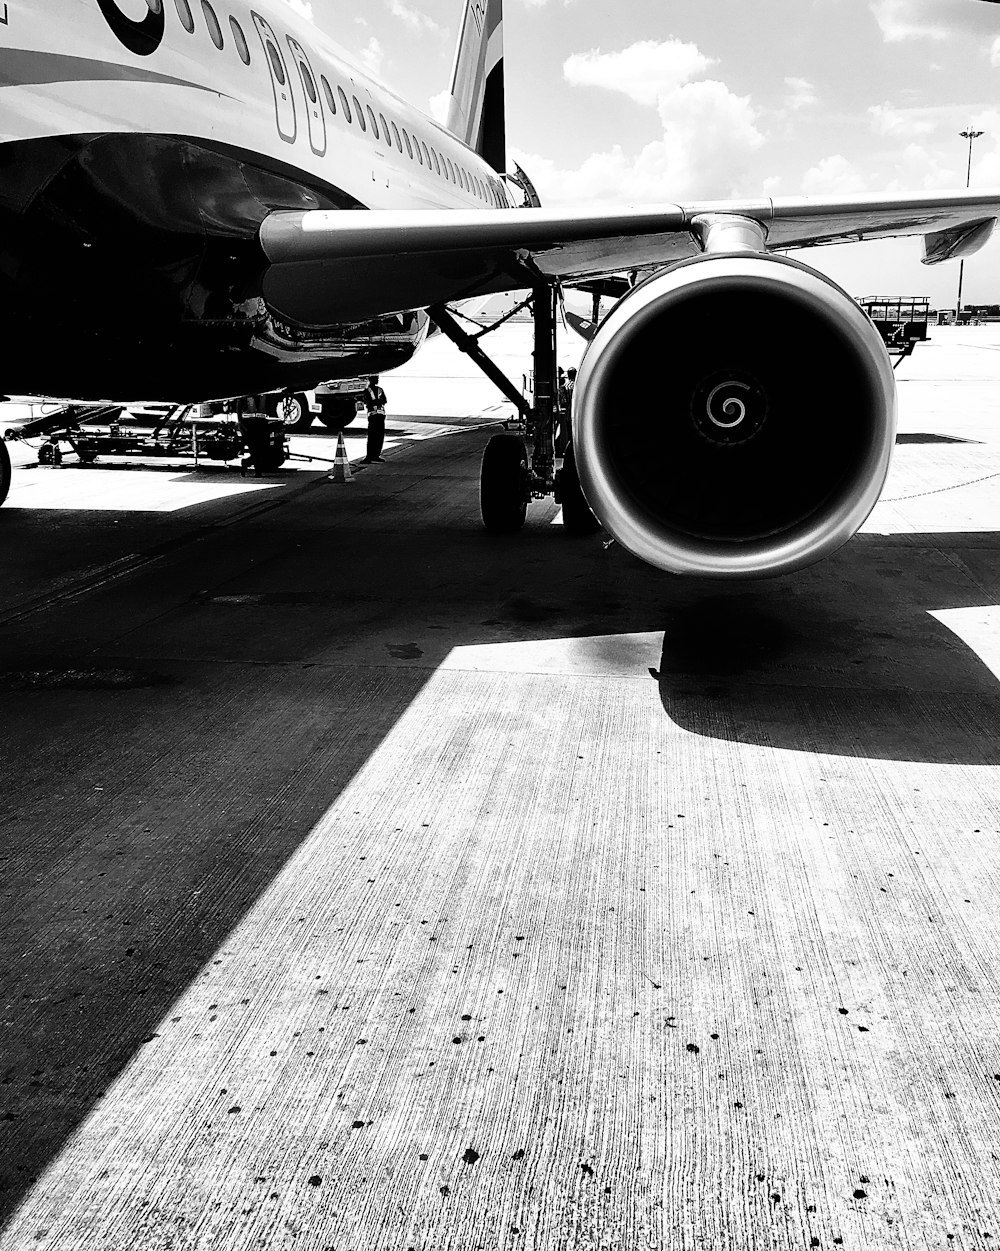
[(917, 437), (852, 666), (117, 895), (842, 659)]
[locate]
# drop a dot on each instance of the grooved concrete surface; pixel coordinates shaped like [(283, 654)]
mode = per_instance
[(369, 883)]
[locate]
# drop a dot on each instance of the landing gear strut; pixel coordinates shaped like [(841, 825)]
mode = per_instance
[(518, 469)]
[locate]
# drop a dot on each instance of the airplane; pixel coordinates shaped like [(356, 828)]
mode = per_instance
[(209, 198)]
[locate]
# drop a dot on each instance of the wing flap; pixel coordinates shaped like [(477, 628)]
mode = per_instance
[(959, 241)]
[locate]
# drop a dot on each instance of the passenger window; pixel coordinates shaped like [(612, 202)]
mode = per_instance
[(437, 163), (240, 40), (184, 13), (308, 83), (427, 155), (343, 103), (360, 113), (395, 133), (451, 169), (212, 22), (409, 146), (371, 118), (276, 63), (331, 103)]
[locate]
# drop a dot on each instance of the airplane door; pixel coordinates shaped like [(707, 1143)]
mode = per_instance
[(284, 102), (314, 105)]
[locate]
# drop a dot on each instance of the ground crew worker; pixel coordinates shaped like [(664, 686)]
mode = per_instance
[(566, 405), (374, 400)]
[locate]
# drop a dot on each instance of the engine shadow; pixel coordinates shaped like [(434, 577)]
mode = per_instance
[(846, 659)]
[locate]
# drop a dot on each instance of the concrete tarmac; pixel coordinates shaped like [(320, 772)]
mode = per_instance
[(370, 882)]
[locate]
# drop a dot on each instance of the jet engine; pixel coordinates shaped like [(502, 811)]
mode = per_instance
[(734, 417)]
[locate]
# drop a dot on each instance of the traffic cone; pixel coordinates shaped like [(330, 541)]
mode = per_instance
[(341, 465)]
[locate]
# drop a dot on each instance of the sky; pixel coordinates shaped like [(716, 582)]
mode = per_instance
[(647, 101)]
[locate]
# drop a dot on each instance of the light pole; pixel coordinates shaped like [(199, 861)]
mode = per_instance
[(970, 135)]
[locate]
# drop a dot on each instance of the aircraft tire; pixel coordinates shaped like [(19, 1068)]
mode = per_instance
[(503, 484), (337, 412), (293, 410), (576, 514), (5, 471)]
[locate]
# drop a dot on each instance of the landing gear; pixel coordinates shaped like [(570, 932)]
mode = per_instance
[(4, 471), (292, 410), (576, 515), (504, 484), (516, 471)]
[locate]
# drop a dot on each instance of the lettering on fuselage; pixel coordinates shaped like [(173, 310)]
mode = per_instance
[(143, 37), (3, 19)]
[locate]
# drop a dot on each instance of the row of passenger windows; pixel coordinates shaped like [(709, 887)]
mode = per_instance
[(416, 149)]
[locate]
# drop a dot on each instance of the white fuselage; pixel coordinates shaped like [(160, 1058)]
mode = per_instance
[(217, 97), (148, 140)]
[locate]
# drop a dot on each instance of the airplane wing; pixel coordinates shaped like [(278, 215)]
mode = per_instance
[(327, 267)]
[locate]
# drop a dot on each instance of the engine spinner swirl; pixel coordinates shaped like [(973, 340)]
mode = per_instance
[(728, 407)]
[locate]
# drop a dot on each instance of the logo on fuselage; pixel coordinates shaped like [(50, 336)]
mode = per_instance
[(143, 37)]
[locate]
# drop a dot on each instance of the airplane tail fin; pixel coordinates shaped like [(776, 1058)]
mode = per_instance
[(476, 112)]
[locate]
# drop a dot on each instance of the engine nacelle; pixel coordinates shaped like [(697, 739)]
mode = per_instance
[(734, 417)]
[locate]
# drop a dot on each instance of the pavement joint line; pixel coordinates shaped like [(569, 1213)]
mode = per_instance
[(672, 679)]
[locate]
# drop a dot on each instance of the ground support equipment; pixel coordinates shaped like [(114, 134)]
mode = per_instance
[(901, 320), (104, 430)]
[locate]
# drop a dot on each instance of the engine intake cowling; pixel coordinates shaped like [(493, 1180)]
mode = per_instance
[(734, 417)]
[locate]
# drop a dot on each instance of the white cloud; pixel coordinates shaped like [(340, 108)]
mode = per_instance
[(801, 94), (708, 132), (995, 53), (644, 71), (834, 175), (439, 106), (708, 137), (372, 56), (985, 171), (413, 18), (894, 122), (932, 19), (914, 123), (918, 169), (907, 19)]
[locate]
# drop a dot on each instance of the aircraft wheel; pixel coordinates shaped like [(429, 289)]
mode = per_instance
[(576, 514), (5, 472), (503, 484), (291, 410), (337, 412)]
